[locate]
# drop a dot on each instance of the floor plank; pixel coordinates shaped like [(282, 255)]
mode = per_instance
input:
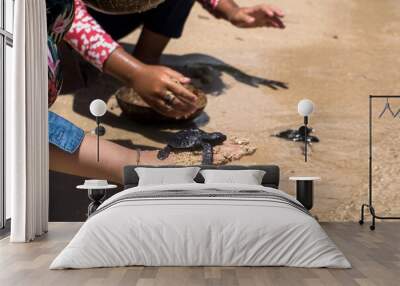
[(375, 257)]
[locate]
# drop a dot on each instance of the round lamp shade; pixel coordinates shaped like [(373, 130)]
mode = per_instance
[(121, 7), (98, 107), (305, 107)]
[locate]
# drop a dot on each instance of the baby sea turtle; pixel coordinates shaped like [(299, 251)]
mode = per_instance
[(192, 139)]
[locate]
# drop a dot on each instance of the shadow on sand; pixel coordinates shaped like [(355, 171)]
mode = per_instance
[(206, 72)]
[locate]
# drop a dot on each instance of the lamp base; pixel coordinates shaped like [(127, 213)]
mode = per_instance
[(96, 197)]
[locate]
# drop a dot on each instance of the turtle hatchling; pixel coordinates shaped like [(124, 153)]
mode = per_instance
[(193, 139)]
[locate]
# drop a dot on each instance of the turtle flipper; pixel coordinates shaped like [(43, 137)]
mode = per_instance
[(207, 154), (164, 153)]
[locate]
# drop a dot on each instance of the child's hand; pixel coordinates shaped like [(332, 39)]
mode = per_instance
[(162, 89), (257, 16)]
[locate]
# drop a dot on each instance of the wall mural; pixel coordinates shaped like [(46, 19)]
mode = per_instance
[(248, 84)]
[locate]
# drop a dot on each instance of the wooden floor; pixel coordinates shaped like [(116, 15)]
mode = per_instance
[(375, 257)]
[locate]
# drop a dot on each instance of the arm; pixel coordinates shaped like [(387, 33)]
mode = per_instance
[(261, 15), (152, 82), (113, 158), (88, 38)]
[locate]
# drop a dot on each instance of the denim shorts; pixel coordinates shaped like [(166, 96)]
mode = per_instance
[(64, 134)]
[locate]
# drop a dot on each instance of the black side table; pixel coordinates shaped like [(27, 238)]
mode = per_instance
[(305, 190), (96, 192)]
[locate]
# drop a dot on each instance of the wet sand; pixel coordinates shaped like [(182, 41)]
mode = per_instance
[(334, 52)]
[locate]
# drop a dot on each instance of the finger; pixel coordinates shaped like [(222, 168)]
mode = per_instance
[(276, 22), (178, 105), (247, 20), (174, 111), (154, 103), (279, 12), (177, 75), (244, 19), (276, 11), (168, 110), (270, 23), (158, 101), (184, 80), (267, 10), (182, 93), (181, 106), (250, 10), (264, 16), (158, 104), (263, 21), (173, 73), (267, 21)]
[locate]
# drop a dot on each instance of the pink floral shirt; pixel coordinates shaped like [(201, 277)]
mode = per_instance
[(88, 38), (210, 5)]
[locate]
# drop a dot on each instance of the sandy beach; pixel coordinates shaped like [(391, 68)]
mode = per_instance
[(334, 52)]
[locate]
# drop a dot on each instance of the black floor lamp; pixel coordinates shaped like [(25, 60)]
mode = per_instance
[(98, 108), (305, 107)]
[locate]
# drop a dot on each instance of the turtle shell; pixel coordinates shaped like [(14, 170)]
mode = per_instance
[(120, 7), (137, 109), (189, 138)]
